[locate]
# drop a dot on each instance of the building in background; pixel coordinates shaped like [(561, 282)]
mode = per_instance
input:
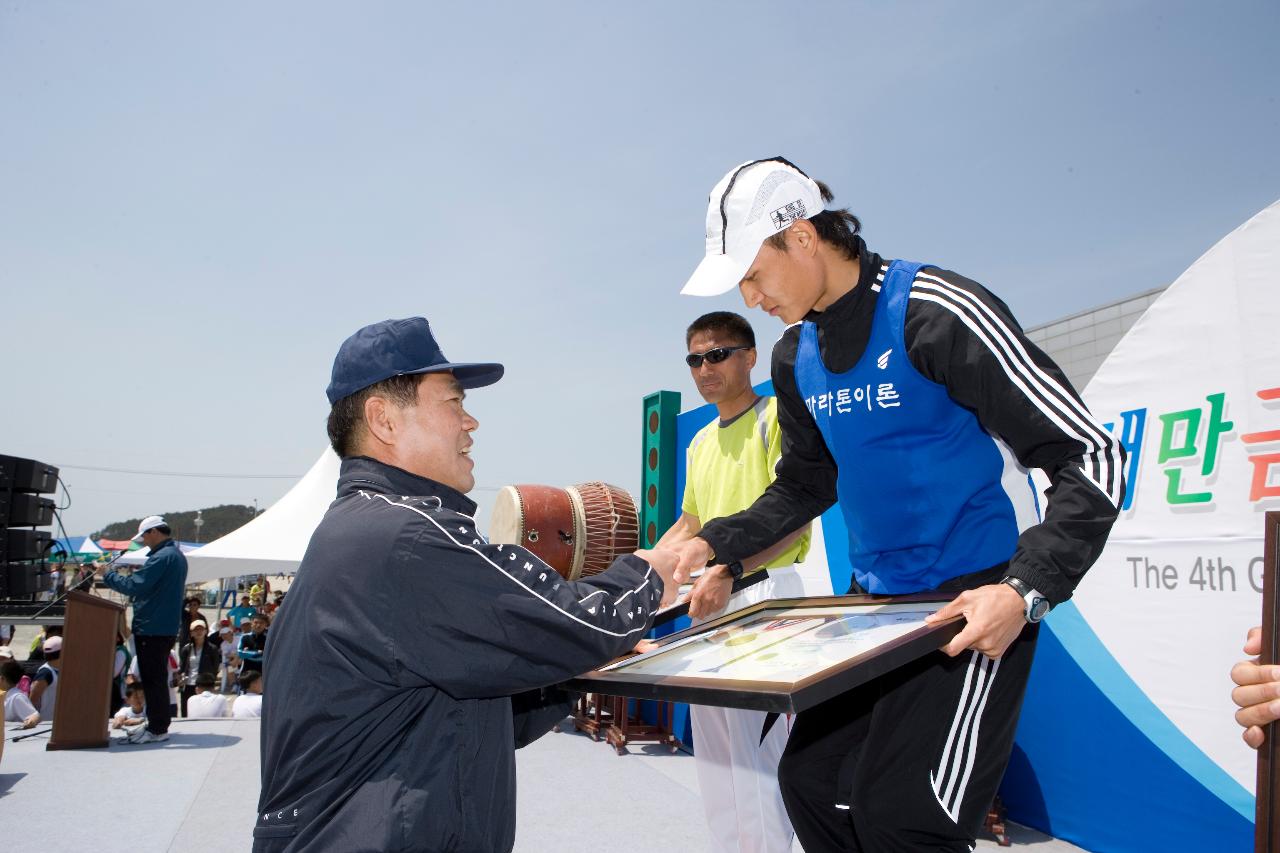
[(1080, 342)]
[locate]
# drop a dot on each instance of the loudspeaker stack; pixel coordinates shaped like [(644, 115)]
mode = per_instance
[(24, 547)]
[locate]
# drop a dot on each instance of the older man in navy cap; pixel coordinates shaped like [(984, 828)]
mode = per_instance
[(413, 657)]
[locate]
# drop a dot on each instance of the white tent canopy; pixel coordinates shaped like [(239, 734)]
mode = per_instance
[(78, 545), (275, 541)]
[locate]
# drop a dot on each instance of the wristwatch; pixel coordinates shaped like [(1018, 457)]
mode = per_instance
[(1035, 604), (735, 569)]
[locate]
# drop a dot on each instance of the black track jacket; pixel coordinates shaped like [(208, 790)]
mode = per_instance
[(962, 337), (406, 665)]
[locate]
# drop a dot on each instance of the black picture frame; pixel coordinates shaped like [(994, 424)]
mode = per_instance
[(777, 696)]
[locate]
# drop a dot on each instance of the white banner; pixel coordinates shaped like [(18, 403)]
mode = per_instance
[(1193, 391)]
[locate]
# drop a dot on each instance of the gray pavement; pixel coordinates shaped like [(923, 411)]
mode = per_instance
[(200, 793)]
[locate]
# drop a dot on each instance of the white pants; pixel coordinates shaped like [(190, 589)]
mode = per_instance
[(737, 773)]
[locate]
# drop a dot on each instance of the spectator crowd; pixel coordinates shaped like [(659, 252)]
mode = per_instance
[(212, 671)]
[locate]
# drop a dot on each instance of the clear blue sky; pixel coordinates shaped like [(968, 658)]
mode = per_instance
[(198, 202)]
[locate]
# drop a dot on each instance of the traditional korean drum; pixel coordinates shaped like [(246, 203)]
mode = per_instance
[(578, 530)]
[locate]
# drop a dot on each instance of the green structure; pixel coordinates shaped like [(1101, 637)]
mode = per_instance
[(658, 483)]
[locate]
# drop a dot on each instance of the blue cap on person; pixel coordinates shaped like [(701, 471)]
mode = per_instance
[(398, 348)]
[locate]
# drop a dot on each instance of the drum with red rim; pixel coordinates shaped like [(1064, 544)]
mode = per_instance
[(578, 530)]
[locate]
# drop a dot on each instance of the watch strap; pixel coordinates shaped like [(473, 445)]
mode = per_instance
[(1024, 589), (1034, 604)]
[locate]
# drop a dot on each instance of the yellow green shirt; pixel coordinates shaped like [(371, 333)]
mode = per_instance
[(728, 466)]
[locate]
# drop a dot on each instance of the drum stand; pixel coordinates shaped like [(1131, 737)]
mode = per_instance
[(995, 822), (593, 714), (627, 728)]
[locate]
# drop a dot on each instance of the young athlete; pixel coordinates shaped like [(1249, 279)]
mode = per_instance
[(910, 394)]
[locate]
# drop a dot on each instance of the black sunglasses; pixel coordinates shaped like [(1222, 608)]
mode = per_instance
[(715, 356)]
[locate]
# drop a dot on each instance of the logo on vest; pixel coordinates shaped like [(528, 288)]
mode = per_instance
[(843, 401), (883, 361)]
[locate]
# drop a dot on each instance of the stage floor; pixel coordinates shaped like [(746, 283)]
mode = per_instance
[(199, 792)]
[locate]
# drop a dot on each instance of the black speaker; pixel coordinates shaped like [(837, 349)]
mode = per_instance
[(26, 510), (27, 475), (26, 544), (19, 579)]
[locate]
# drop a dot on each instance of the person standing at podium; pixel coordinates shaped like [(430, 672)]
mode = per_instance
[(157, 591)]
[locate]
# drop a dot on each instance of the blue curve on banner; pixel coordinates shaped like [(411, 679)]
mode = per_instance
[(1098, 764)]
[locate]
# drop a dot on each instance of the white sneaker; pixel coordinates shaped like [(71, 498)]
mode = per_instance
[(145, 735)]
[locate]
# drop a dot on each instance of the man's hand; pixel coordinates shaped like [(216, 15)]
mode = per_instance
[(1257, 693), (663, 562), (995, 615), (710, 593), (694, 554)]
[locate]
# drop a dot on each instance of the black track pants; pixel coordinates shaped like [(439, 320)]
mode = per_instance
[(910, 761), (153, 668)]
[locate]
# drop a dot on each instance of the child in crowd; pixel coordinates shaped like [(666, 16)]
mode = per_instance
[(248, 704), (6, 654), (36, 652), (230, 663), (120, 669), (175, 679), (253, 645), (17, 707), (134, 712), (44, 687), (206, 703)]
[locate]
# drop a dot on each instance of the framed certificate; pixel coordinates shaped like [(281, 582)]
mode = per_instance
[(783, 655)]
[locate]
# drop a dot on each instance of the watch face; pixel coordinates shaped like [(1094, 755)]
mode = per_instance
[(1039, 607)]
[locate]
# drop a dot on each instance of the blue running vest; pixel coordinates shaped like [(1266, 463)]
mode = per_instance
[(921, 485)]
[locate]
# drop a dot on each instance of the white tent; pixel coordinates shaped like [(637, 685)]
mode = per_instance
[(273, 542), (78, 546)]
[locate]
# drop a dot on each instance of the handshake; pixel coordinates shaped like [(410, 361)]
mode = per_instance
[(677, 563)]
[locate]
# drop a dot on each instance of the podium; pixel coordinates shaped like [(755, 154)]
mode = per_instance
[(84, 679)]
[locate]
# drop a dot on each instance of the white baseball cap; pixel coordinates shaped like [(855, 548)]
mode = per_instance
[(147, 523), (751, 203)]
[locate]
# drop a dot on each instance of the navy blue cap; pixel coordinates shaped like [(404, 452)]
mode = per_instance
[(396, 348)]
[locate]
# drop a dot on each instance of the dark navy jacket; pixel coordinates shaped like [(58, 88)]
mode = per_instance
[(156, 589), (406, 665)]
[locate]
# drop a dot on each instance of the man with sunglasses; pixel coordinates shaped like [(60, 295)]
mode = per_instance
[(729, 464), (911, 395)]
